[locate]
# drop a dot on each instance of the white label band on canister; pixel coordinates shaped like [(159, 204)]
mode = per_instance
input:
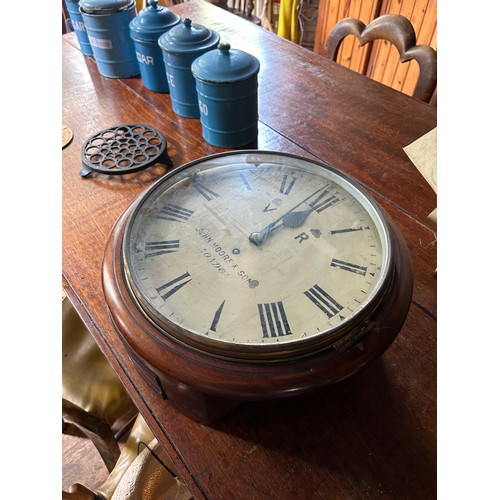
[(100, 43)]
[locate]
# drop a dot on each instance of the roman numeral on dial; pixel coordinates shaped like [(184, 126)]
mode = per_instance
[(348, 266), (154, 248), (273, 320), (216, 319), (287, 184), (321, 203), (174, 213), (207, 193), (324, 301), (245, 181), (173, 286), (347, 230)]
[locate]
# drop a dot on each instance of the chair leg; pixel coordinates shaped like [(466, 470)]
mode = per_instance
[(97, 430)]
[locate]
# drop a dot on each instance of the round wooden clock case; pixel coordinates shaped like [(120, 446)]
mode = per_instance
[(329, 289)]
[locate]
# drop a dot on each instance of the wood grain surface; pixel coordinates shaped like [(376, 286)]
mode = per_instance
[(371, 436)]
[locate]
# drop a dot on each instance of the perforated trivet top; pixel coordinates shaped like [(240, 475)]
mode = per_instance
[(123, 149)]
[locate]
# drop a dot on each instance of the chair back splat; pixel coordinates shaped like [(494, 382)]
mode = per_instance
[(399, 31)]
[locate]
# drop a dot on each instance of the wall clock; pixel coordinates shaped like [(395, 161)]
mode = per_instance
[(251, 275)]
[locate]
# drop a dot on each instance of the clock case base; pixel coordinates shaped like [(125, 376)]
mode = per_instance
[(195, 404), (204, 388)]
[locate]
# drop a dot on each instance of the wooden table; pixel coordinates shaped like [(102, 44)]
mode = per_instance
[(371, 436)]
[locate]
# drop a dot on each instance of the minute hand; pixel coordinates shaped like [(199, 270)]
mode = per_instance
[(292, 218)]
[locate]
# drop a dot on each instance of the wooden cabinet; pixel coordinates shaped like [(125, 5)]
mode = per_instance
[(380, 62)]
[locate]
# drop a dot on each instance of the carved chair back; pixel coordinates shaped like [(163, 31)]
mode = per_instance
[(399, 31)]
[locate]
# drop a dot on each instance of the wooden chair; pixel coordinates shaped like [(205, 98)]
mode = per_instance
[(398, 30), (95, 404), (244, 9)]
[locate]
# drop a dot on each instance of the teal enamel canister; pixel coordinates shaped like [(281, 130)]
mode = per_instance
[(226, 84), (145, 30), (107, 25), (180, 47), (79, 26)]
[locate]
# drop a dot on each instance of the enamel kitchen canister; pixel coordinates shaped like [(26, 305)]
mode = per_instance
[(79, 26), (107, 25), (145, 30), (226, 83), (181, 46)]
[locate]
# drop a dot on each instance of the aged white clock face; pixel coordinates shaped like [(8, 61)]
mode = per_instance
[(253, 252)]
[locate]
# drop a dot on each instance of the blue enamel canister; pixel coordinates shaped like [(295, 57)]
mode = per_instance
[(79, 26), (181, 46), (145, 29), (107, 25), (226, 83)]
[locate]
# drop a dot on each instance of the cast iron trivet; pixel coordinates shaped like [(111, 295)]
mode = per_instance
[(123, 149)]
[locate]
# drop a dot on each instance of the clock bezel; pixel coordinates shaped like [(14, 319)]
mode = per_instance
[(266, 353)]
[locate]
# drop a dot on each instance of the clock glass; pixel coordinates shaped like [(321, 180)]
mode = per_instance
[(256, 256)]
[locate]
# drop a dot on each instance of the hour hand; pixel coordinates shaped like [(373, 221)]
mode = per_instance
[(291, 219)]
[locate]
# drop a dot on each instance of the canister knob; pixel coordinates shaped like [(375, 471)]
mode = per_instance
[(224, 47)]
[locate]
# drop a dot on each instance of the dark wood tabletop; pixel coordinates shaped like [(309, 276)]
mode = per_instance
[(373, 435)]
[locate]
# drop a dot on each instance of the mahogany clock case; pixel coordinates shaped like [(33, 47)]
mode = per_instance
[(205, 386)]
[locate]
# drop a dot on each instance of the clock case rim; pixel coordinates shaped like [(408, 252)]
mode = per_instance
[(341, 337), (205, 387)]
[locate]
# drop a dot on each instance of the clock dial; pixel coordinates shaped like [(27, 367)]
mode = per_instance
[(256, 255)]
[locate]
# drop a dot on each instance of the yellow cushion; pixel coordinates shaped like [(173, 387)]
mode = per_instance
[(88, 380), (141, 476), (140, 433)]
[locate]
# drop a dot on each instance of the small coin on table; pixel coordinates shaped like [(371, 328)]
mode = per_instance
[(67, 135)]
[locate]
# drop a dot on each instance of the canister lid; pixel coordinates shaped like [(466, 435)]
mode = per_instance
[(188, 37), (105, 6), (152, 21), (225, 65)]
